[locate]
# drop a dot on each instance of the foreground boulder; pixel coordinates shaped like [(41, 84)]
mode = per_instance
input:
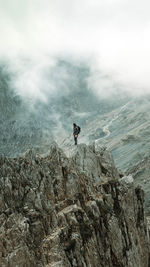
[(70, 211)]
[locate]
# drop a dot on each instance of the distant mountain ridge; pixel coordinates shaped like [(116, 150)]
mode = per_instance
[(25, 123)]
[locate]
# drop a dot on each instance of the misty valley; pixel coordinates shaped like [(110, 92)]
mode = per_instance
[(118, 121)]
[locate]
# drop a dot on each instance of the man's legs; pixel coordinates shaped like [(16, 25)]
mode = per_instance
[(75, 139)]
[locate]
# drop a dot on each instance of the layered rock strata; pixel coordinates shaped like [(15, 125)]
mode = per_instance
[(70, 211)]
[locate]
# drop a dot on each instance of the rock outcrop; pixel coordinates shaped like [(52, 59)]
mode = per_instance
[(70, 211)]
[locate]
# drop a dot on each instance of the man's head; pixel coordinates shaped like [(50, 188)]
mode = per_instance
[(74, 125)]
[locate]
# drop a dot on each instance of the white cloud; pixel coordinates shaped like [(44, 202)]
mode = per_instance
[(113, 35)]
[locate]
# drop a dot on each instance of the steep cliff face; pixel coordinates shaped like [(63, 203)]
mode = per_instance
[(70, 211)]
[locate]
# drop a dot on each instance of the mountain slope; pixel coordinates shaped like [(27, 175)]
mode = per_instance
[(28, 122)]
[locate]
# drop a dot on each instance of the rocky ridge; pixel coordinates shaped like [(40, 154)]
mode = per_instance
[(70, 211)]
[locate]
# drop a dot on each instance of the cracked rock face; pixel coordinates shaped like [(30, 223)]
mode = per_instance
[(60, 211)]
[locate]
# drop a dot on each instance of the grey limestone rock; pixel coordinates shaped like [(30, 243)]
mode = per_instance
[(70, 211)]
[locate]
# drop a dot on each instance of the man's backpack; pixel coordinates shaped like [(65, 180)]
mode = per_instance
[(79, 129)]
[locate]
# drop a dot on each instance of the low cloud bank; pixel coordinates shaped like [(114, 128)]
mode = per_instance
[(110, 36)]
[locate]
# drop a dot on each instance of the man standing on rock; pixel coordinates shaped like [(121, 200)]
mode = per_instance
[(76, 131)]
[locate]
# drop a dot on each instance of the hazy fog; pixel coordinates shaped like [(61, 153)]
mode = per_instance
[(112, 37)]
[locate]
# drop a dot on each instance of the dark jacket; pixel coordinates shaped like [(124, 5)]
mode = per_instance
[(75, 130)]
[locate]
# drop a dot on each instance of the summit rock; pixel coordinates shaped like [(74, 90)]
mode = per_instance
[(70, 208)]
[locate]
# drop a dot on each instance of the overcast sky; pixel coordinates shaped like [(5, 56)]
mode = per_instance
[(113, 36)]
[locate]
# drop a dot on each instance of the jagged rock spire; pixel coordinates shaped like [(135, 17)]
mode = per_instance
[(70, 211)]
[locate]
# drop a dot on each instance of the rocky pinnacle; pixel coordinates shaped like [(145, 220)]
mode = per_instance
[(70, 209)]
